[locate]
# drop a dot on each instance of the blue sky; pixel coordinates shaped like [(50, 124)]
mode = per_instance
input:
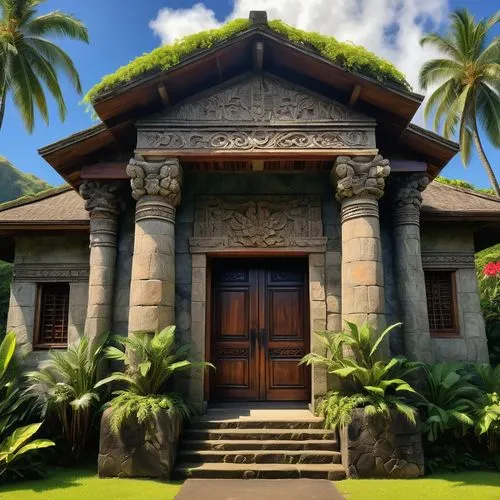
[(120, 30)]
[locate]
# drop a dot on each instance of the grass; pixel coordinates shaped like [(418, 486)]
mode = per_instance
[(83, 484), (457, 486)]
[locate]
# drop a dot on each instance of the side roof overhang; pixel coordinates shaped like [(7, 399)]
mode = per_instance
[(119, 108)]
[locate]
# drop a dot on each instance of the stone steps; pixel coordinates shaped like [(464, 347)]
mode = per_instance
[(243, 456), (258, 433), (231, 443), (260, 444), (332, 472)]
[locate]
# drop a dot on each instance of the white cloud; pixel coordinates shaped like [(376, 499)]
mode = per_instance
[(390, 28)]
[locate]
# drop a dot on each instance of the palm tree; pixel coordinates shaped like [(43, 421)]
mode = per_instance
[(28, 61), (469, 84)]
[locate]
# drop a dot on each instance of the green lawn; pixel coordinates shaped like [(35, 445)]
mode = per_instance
[(458, 486), (83, 484)]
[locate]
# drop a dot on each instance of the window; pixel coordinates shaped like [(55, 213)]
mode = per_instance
[(441, 303), (52, 316)]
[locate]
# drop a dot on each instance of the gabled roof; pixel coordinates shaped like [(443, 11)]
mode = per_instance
[(56, 208), (393, 106), (445, 202)]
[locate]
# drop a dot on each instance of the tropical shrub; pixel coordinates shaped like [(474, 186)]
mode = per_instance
[(65, 388), (150, 362), (18, 455), (489, 288), (367, 382)]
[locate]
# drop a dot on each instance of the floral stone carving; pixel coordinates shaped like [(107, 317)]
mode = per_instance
[(263, 222), (101, 196), (382, 448), (409, 189)]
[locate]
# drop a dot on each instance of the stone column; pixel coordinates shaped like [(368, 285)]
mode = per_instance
[(409, 274), (157, 188), (360, 183), (103, 205)]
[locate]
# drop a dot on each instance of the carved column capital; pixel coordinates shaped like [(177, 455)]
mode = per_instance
[(103, 204), (163, 178), (360, 176), (101, 197), (407, 198)]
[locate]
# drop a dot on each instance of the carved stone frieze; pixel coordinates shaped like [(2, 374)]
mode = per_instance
[(262, 222), (360, 176), (51, 272), (261, 99), (156, 179), (257, 113), (101, 196), (248, 139), (449, 260)]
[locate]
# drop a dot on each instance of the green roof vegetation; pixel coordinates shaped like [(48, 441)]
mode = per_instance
[(349, 56), (464, 184)]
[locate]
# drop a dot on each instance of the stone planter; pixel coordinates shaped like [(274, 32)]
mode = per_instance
[(376, 447), (139, 450)]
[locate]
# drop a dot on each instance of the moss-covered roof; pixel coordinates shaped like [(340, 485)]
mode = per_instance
[(349, 56)]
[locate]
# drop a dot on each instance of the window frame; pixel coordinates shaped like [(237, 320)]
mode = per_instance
[(446, 333), (38, 345)]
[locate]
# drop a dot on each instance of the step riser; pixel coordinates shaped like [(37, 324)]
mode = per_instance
[(325, 445), (261, 458), (288, 435), (253, 474), (200, 424)]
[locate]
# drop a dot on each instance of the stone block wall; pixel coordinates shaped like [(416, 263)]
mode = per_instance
[(453, 250), (66, 258)]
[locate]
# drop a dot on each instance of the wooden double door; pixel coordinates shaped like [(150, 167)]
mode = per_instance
[(259, 330)]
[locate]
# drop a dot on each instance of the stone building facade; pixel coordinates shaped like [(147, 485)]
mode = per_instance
[(252, 213)]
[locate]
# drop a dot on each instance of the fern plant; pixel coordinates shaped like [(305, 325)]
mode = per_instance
[(367, 382), (65, 386), (150, 362)]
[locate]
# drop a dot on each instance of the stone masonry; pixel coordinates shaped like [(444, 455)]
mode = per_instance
[(409, 274), (103, 205), (157, 188), (360, 183)]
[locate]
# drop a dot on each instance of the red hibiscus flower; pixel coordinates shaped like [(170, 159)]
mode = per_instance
[(492, 269)]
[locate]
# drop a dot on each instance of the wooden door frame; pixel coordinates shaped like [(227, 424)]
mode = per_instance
[(210, 258)]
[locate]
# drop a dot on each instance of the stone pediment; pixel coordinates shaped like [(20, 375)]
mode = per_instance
[(256, 113), (260, 99)]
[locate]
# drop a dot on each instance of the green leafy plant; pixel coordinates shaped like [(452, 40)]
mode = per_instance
[(449, 400), (467, 78), (18, 457), (65, 387), (368, 382), (347, 55), (29, 61), (150, 361)]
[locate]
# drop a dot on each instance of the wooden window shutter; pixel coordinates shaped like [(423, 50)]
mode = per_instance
[(441, 302), (53, 308)]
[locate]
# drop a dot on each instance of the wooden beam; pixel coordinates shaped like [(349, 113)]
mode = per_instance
[(354, 95), (257, 165), (258, 56), (408, 166), (162, 90), (109, 170), (219, 70)]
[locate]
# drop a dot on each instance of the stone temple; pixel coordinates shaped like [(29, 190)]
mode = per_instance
[(253, 194)]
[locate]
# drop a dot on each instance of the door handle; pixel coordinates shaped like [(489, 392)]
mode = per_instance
[(263, 336)]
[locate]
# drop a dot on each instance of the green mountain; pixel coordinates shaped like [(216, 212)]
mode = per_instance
[(13, 184)]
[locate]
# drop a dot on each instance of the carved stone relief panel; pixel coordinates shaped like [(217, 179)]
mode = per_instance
[(257, 113), (51, 272), (257, 222), (449, 260)]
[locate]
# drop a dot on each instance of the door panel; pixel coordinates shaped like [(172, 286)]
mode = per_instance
[(233, 334), (287, 332), (260, 330)]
